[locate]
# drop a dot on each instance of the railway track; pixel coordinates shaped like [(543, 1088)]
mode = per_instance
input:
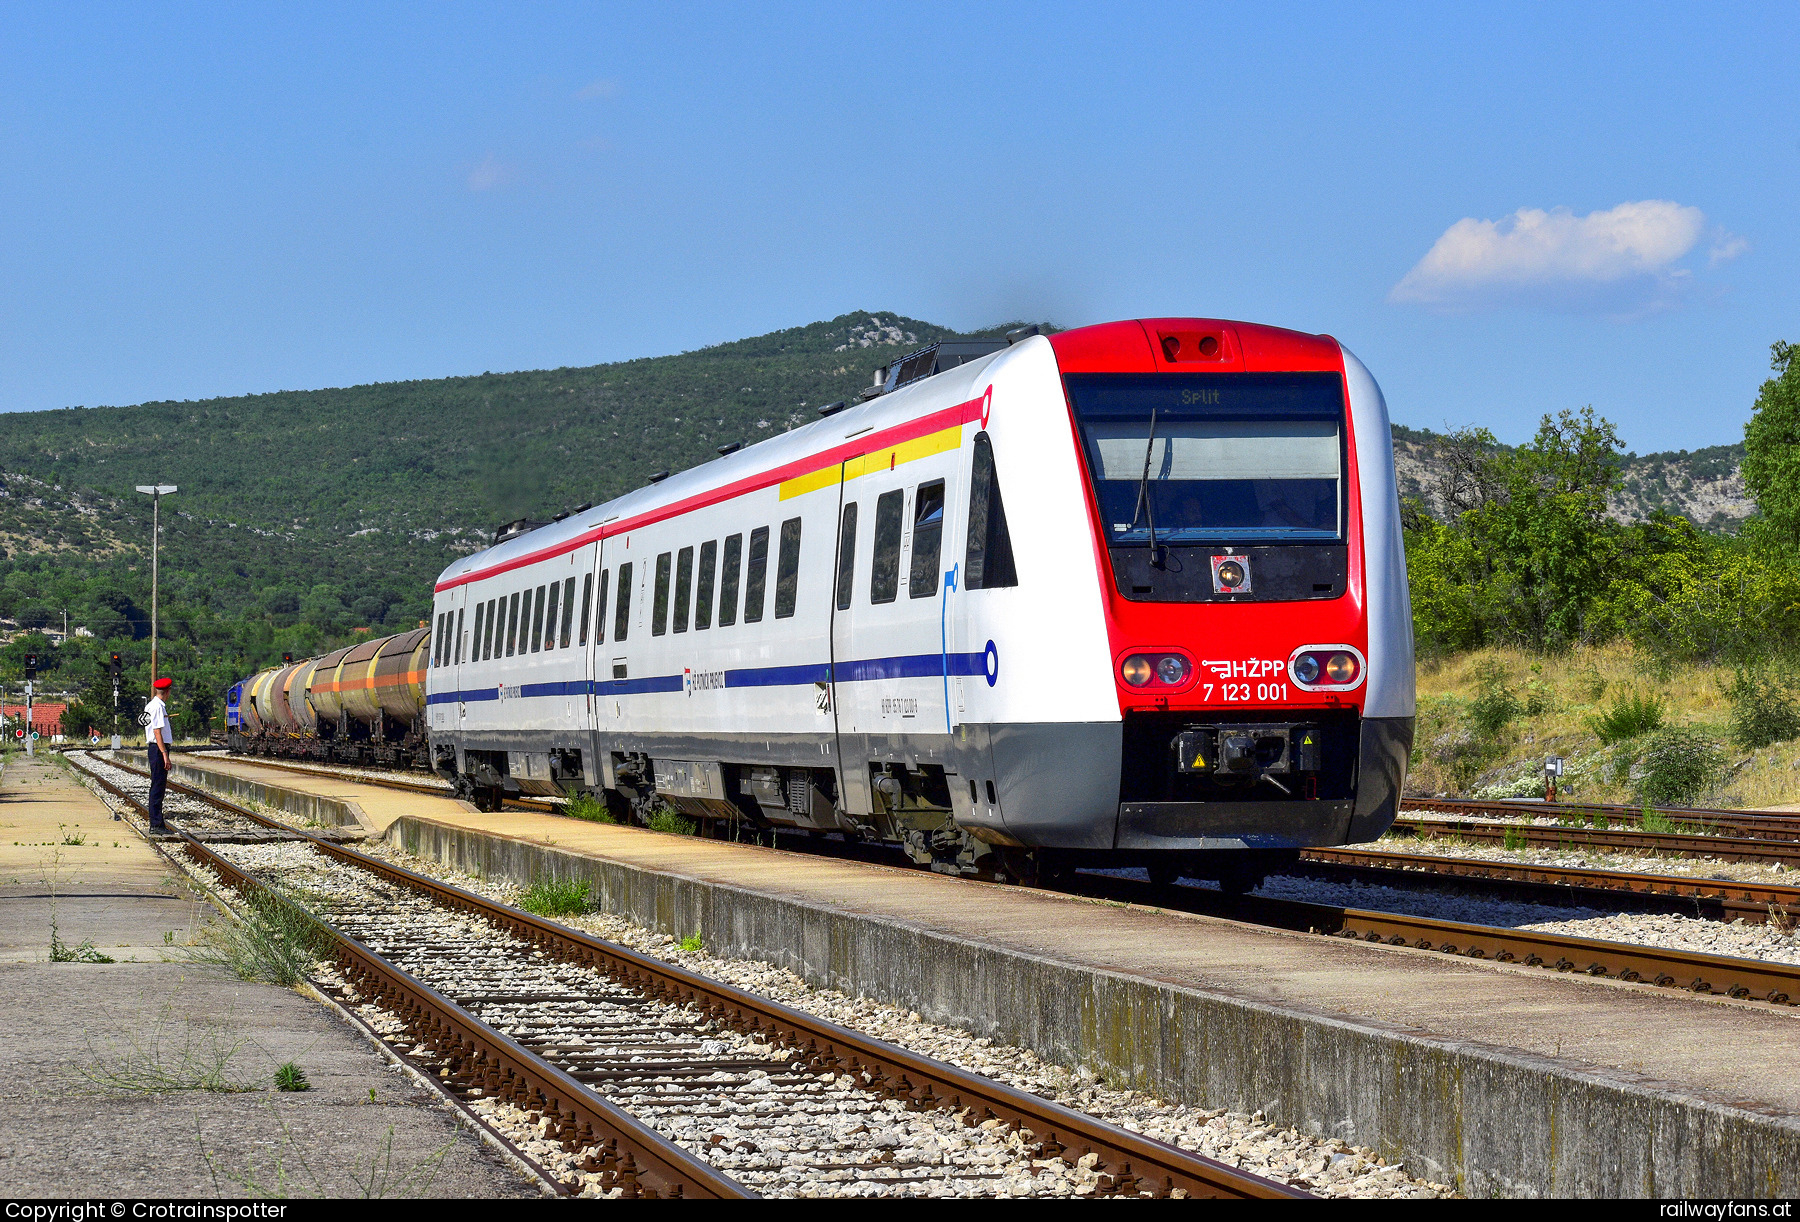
[(1714, 898), (370, 776), (1753, 824), (1673, 844), (628, 1064), (1696, 972)]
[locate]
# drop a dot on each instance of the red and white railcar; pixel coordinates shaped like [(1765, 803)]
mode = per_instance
[(1133, 594)]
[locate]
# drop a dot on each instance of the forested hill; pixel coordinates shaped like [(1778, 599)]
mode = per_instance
[(367, 491)]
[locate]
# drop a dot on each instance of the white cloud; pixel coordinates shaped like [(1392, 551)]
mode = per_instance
[(605, 87), (491, 173), (1725, 248), (1623, 258)]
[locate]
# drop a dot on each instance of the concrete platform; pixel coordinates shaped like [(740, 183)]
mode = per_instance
[(1507, 1080), (79, 1034)]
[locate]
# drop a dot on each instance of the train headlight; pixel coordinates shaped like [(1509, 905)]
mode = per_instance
[(1137, 670), (1157, 670), (1171, 668), (1326, 668)]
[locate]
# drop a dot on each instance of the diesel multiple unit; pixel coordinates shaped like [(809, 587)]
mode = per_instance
[(1129, 594)]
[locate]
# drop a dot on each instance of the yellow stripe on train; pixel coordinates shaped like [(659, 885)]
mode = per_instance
[(884, 459)]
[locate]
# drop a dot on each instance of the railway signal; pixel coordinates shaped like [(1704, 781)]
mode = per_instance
[(31, 665), (118, 674)]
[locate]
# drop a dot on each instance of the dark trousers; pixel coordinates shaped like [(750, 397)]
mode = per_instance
[(159, 781)]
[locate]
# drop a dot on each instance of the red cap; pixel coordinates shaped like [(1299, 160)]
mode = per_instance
[(162, 683)]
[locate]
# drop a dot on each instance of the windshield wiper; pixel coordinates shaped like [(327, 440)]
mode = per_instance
[(1144, 501)]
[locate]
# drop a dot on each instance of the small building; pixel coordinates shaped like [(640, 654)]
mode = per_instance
[(46, 719)]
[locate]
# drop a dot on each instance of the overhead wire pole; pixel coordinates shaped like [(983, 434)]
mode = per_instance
[(156, 492)]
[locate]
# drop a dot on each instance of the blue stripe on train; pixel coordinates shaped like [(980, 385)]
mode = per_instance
[(913, 666)]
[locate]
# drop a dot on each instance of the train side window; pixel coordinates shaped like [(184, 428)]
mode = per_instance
[(988, 562), (756, 575), (587, 606), (475, 642), (600, 606), (459, 635), (659, 609), (537, 620), (493, 630), (569, 609), (928, 539), (703, 587), (622, 618), (437, 643), (512, 624), (550, 615), (884, 566), (787, 570), (684, 584), (846, 566), (728, 580)]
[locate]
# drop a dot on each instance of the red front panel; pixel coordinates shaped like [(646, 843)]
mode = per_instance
[(1240, 650)]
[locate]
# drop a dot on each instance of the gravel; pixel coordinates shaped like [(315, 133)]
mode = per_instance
[(1248, 1140)]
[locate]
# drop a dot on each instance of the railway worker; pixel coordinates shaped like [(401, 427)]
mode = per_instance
[(157, 737)]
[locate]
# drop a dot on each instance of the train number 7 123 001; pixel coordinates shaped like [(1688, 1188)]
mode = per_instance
[(1264, 693)]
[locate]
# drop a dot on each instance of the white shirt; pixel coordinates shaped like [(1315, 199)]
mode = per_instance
[(158, 725)]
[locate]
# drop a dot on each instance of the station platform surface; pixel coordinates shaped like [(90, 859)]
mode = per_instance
[(99, 1098), (1656, 1046)]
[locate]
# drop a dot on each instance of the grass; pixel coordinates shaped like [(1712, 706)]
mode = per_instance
[(276, 940), (1563, 696), (1631, 716), (666, 820), (556, 897), (290, 1077), (61, 952), (189, 1056), (583, 805), (690, 943)]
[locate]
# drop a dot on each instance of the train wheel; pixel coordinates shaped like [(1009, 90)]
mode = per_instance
[(1164, 873)]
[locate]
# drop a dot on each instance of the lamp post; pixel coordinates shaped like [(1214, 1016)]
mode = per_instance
[(157, 492)]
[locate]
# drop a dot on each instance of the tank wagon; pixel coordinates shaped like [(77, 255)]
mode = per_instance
[(1132, 594), (361, 705)]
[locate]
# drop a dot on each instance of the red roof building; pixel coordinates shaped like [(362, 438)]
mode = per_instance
[(46, 719)]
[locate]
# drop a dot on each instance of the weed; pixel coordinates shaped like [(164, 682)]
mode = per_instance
[(1763, 711), (666, 820), (1514, 838), (168, 937), (71, 837), (690, 943), (555, 897), (1632, 715), (197, 1058), (275, 940), (290, 1077), (60, 952), (1654, 821), (1676, 767), (1495, 704), (379, 1179), (584, 805)]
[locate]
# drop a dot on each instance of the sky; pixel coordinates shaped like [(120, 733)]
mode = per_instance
[(1504, 210)]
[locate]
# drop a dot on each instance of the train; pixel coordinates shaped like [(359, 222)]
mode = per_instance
[(363, 705), (1131, 594)]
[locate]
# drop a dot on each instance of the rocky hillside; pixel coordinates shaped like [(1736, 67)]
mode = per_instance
[(1705, 486)]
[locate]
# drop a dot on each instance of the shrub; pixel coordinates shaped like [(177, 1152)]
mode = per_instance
[(1762, 710), (1677, 766), (1630, 716), (1495, 704), (584, 805), (276, 940), (666, 820), (555, 897)]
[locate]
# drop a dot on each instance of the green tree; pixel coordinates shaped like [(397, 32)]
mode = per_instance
[(1772, 444)]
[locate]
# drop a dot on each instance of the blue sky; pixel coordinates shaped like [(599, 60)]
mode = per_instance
[(1504, 210)]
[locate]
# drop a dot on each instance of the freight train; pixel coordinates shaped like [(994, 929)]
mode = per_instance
[(1132, 594)]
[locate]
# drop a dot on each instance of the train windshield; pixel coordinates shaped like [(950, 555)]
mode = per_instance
[(1214, 458)]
